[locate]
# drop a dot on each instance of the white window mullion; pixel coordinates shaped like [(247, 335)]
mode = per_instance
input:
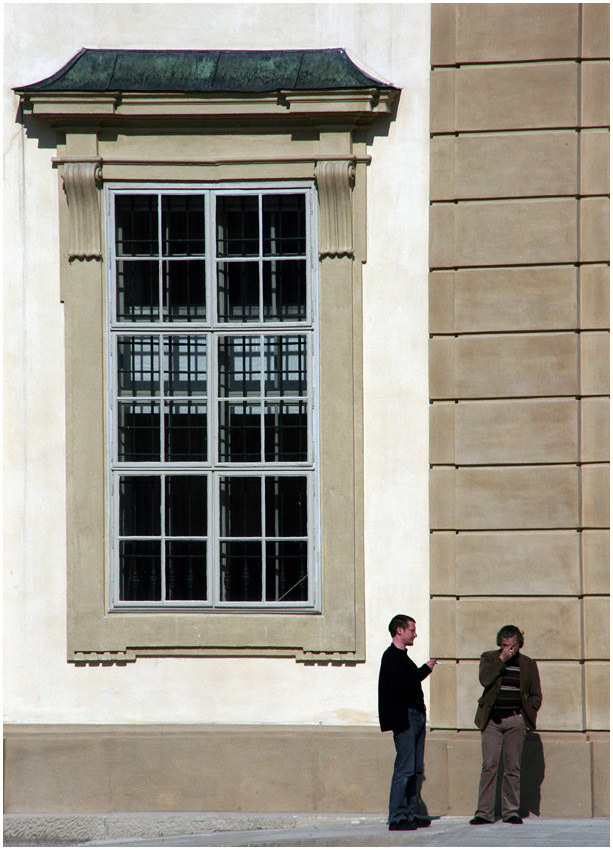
[(263, 540), (163, 535)]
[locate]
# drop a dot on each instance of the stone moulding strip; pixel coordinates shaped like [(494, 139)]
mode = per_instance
[(61, 160), (82, 177)]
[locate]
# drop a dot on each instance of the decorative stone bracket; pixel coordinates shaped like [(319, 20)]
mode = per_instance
[(334, 183), (82, 181)]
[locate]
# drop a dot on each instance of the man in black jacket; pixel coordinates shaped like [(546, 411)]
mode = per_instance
[(402, 709)]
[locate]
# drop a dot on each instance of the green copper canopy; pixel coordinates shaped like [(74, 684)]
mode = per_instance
[(191, 71)]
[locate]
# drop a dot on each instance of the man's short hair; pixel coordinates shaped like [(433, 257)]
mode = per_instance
[(507, 632), (400, 621)]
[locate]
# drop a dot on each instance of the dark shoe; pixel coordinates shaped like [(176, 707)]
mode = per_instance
[(513, 819), (421, 821), (478, 820), (403, 824)]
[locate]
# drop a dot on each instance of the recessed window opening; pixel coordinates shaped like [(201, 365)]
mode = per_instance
[(212, 351)]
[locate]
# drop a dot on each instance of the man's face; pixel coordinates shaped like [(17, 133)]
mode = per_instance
[(409, 634), (510, 643)]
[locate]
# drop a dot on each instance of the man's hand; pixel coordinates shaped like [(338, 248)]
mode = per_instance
[(431, 663), (508, 651)]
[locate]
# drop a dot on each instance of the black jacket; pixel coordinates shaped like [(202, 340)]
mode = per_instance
[(399, 689)]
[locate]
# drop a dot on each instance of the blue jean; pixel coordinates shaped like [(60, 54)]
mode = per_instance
[(408, 765)]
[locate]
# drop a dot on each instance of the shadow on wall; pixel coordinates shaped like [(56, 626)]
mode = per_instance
[(531, 778), (47, 137)]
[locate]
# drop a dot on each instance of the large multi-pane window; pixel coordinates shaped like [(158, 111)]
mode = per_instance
[(212, 431)]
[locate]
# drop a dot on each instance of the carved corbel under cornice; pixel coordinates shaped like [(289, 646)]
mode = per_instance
[(334, 183), (82, 181)]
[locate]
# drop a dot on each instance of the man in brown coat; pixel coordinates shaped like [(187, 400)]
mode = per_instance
[(509, 703)]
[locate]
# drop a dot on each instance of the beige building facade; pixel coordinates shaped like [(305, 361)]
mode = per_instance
[(460, 260)]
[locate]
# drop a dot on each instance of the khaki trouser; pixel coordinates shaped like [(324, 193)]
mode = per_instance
[(508, 736)]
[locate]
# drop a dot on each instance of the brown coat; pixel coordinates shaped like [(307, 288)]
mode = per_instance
[(491, 670)]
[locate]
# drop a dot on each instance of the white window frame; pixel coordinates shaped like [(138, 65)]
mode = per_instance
[(213, 330)]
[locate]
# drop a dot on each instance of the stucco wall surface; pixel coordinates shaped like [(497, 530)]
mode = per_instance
[(390, 41)]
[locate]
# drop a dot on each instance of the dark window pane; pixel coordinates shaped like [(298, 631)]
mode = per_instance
[(140, 571), (285, 290), (138, 292), (138, 367), (239, 432), (240, 564), (240, 500), (186, 497), (139, 505), (136, 225), (285, 364), (239, 366), (286, 506), (184, 290), (238, 292), (286, 571), (185, 365), (285, 431), (185, 427), (283, 218), (186, 570), (139, 431), (182, 225), (237, 226)]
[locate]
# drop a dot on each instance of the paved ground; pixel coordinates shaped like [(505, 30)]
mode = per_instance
[(223, 830)]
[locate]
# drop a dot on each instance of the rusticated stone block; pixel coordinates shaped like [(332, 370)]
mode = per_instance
[(464, 759), (595, 495), (594, 228), (529, 96), (510, 299), (511, 431), (443, 627), (551, 626), (594, 363), (504, 165), (443, 687), (566, 789), (516, 497), (595, 94), (442, 432), (442, 101), (504, 366), (595, 557), (442, 498), (442, 226), (443, 563), (595, 162), (596, 614), (601, 767), (489, 233), (510, 32), (594, 296), (434, 790), (441, 302), (595, 31), (490, 563), (441, 356), (597, 680), (594, 430), (443, 34)]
